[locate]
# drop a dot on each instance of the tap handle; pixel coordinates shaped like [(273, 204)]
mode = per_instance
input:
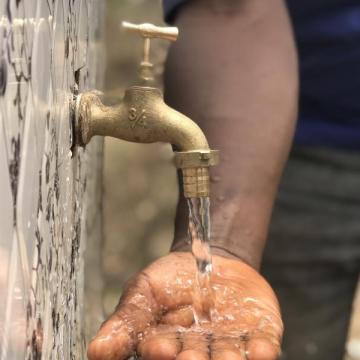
[(148, 32)]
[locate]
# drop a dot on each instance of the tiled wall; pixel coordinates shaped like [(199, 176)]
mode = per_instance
[(49, 51)]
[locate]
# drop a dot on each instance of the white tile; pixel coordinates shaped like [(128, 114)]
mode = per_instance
[(28, 186), (60, 48), (14, 335), (45, 42), (6, 226)]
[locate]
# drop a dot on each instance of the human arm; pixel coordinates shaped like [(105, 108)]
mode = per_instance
[(234, 71)]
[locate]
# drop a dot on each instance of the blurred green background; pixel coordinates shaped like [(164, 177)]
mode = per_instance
[(140, 186)]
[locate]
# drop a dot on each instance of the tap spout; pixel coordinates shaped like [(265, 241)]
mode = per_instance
[(143, 117)]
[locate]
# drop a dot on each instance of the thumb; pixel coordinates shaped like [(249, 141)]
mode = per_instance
[(117, 337)]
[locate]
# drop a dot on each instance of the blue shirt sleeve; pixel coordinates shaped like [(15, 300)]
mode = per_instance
[(170, 7)]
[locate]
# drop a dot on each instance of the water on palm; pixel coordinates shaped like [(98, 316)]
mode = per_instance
[(199, 235)]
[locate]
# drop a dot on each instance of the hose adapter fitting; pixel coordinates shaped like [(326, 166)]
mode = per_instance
[(195, 169)]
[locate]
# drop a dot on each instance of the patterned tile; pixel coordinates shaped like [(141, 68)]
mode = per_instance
[(48, 53)]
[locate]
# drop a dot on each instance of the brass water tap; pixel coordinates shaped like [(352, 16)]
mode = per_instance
[(143, 117)]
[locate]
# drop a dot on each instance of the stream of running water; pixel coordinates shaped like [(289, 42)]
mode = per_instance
[(199, 235)]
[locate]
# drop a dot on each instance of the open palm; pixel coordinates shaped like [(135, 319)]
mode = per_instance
[(155, 315)]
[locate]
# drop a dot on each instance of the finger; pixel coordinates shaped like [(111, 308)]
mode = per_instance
[(195, 346), (227, 355), (159, 344), (117, 338), (192, 355), (227, 349), (261, 348), (181, 317)]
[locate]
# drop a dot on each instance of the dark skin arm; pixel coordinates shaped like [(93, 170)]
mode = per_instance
[(233, 71)]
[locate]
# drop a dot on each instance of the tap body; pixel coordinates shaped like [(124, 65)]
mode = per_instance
[(143, 117)]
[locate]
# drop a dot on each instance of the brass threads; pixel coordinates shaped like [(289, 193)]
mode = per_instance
[(196, 182), (195, 169)]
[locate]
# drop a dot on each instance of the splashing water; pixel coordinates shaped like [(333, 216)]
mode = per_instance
[(199, 235)]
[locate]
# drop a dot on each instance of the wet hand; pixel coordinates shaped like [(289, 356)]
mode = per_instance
[(155, 316)]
